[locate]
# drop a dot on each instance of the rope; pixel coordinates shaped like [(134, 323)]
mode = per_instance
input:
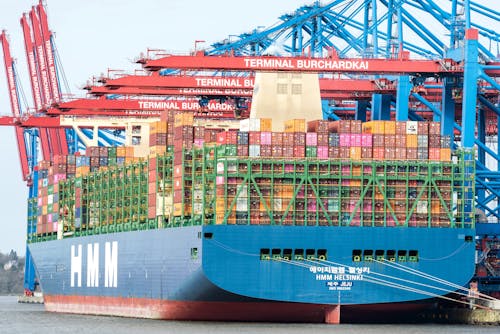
[(375, 280)]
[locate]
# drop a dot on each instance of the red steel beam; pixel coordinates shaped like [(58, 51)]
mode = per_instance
[(303, 64), (156, 81), (41, 62), (14, 104), (45, 143), (30, 57), (49, 54)]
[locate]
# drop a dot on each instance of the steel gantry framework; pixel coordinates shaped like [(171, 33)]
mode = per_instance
[(376, 59)]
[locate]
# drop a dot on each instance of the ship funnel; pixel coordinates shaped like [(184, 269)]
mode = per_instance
[(286, 95)]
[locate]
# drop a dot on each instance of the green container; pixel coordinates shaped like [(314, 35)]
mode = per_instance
[(311, 151), (112, 152)]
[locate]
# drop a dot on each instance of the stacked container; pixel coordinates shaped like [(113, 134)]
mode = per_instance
[(182, 175)]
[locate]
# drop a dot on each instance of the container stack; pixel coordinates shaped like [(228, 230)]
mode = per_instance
[(48, 194), (378, 173), (182, 164), (158, 137)]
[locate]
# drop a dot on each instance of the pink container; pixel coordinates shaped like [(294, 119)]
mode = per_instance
[(345, 139), (199, 142), (366, 140), (322, 152), (311, 139), (220, 180), (311, 206), (390, 220), (265, 138), (355, 139)]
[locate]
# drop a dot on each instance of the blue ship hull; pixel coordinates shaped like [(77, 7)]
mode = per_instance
[(224, 272)]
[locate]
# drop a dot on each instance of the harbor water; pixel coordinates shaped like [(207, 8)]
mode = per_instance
[(31, 318)]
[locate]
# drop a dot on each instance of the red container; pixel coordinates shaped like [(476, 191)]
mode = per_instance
[(288, 139), (288, 151), (344, 152), (299, 151), (434, 128), (356, 126), (434, 154), (401, 141), (400, 153), (277, 138), (299, 138), (378, 140), (400, 128), (366, 140), (342, 126), (199, 132), (266, 151), (318, 126), (151, 199), (390, 153), (434, 140), (411, 153), (254, 138), (333, 152), (366, 152), (390, 141), (322, 139), (277, 150), (422, 128), (378, 153), (242, 150)]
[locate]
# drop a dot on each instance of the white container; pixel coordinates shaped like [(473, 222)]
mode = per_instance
[(411, 128)]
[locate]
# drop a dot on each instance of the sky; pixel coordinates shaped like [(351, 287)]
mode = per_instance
[(93, 36)]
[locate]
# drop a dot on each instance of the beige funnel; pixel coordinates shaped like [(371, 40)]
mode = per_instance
[(286, 95)]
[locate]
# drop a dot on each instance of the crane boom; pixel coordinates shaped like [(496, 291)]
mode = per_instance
[(30, 57), (14, 103), (40, 53), (49, 53)]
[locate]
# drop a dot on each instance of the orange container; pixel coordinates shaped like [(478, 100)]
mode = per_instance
[(355, 153), (374, 127), (412, 141), (445, 154), (378, 153), (295, 125), (266, 124), (389, 127), (434, 154)]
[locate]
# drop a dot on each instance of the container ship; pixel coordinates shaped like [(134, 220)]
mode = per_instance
[(323, 220)]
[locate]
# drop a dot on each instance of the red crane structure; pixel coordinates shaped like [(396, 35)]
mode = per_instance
[(15, 104)]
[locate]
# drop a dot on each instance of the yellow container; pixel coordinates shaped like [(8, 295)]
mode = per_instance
[(412, 141), (389, 127), (374, 127), (445, 154), (295, 125), (355, 153), (266, 124)]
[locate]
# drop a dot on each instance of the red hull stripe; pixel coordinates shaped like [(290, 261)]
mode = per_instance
[(193, 310)]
